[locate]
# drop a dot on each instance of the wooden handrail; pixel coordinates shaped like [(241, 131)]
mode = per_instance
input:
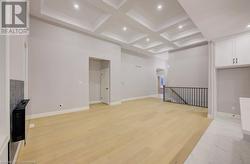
[(188, 87)]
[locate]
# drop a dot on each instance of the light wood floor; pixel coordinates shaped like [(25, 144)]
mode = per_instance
[(144, 131)]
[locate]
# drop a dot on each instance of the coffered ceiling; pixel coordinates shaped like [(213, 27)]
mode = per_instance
[(219, 18), (150, 27)]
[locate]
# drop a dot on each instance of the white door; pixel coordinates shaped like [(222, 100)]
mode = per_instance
[(224, 53), (105, 82), (243, 49)]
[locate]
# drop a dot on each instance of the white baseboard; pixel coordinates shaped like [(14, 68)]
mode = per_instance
[(95, 102), (228, 115), (210, 116), (17, 151), (160, 96), (4, 140), (133, 98), (141, 97), (53, 113), (115, 103), (40, 115)]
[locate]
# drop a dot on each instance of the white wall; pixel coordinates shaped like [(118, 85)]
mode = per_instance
[(4, 99), (95, 81), (231, 85), (59, 67), (17, 57), (139, 76), (188, 68), (2, 85)]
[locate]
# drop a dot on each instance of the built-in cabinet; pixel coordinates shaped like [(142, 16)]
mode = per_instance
[(242, 49), (233, 51)]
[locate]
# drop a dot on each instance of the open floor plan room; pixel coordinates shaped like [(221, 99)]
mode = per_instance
[(124, 82)]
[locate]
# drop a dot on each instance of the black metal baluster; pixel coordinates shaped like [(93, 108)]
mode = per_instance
[(189, 96), (204, 97), (185, 93), (192, 96), (195, 97), (207, 98), (199, 97), (164, 93)]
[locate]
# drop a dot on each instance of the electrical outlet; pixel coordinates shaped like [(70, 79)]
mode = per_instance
[(60, 106)]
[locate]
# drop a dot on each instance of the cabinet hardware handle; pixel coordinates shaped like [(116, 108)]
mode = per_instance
[(233, 60), (236, 60)]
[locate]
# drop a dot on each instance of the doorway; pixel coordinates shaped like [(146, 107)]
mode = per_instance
[(99, 81), (161, 80)]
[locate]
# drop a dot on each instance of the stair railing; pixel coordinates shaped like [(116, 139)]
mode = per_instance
[(194, 96)]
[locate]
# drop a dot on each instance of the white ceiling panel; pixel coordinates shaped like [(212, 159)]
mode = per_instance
[(194, 39), (147, 13), (87, 16), (218, 18), (161, 49), (115, 30), (180, 30), (145, 44), (152, 26)]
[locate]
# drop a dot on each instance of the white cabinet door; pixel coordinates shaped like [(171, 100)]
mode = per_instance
[(242, 48), (224, 53)]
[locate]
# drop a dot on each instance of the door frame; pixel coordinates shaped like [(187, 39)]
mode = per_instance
[(109, 93), (109, 66)]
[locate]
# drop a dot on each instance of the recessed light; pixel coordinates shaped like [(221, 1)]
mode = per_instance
[(180, 27), (147, 39), (76, 6), (124, 28), (248, 26), (159, 7)]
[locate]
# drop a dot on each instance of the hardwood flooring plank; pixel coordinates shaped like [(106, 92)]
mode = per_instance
[(136, 132)]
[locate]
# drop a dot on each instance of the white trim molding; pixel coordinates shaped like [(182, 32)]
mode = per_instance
[(95, 102), (141, 97), (54, 113), (115, 103), (65, 111), (20, 144), (228, 115), (212, 82), (4, 140)]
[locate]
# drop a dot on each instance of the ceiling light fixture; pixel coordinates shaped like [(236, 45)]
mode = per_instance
[(76, 6), (248, 26), (180, 27), (147, 39), (124, 28), (159, 7)]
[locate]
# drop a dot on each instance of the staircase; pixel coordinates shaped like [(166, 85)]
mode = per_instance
[(194, 96)]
